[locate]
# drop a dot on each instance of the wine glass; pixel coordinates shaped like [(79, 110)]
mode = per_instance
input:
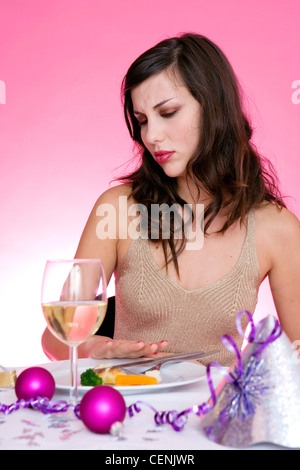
[(74, 302)]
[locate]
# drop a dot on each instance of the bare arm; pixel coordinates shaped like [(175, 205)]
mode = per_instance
[(284, 275)]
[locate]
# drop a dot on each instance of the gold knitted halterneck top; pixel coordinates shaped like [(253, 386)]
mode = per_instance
[(151, 307)]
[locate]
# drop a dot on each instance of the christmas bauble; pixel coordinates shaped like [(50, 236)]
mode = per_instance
[(102, 407), (35, 382)]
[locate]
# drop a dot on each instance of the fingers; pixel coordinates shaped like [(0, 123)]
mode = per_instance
[(130, 349)]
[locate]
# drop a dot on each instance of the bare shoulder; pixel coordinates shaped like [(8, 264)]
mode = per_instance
[(113, 194), (278, 222), (99, 238), (277, 233), (107, 207)]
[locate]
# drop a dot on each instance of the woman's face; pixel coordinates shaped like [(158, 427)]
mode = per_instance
[(170, 119)]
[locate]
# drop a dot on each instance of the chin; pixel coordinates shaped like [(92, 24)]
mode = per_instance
[(173, 171), (174, 174)]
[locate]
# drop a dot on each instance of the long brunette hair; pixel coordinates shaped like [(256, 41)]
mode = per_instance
[(226, 163)]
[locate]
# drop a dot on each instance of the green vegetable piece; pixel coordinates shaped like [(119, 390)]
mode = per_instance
[(90, 378)]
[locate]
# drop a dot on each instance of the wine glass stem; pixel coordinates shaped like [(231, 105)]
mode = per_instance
[(74, 376)]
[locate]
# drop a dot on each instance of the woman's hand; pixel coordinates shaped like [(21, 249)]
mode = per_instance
[(101, 347)]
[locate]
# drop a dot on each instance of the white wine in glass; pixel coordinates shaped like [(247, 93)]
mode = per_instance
[(74, 302)]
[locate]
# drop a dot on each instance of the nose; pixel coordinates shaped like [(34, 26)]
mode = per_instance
[(152, 132)]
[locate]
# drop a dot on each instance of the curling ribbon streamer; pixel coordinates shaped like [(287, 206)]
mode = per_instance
[(41, 404), (178, 420)]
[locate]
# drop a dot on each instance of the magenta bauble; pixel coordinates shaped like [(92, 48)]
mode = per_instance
[(35, 382), (101, 407)]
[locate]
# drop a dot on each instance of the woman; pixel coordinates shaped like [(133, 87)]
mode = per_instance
[(179, 293)]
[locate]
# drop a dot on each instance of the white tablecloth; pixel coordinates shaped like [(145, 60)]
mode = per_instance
[(31, 429)]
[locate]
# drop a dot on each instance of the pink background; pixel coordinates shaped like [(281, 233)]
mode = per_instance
[(62, 135)]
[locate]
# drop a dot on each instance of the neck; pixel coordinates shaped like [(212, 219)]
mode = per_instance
[(195, 194), (192, 193)]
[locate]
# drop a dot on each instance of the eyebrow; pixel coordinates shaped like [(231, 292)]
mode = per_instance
[(161, 103)]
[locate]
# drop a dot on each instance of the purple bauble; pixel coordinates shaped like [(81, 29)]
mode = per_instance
[(35, 382), (101, 407)]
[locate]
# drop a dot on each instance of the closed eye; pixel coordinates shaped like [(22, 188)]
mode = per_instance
[(164, 115), (168, 115)]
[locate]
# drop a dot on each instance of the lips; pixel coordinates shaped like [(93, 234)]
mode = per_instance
[(163, 156)]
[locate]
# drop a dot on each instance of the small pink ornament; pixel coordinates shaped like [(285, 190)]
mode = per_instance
[(102, 407), (35, 382)]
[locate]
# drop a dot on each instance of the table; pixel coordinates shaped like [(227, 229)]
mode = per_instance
[(31, 429)]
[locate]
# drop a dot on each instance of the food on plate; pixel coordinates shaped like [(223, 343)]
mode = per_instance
[(8, 379), (125, 379), (90, 379), (107, 374), (154, 373)]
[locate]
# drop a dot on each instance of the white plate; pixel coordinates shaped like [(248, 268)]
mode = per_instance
[(172, 375)]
